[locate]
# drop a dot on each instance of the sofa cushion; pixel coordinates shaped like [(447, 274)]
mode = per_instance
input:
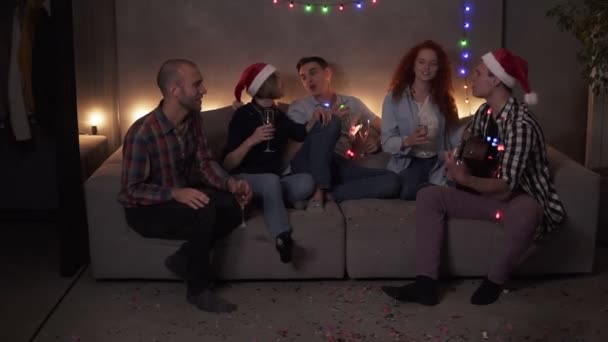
[(215, 123), (115, 158), (381, 240), (248, 253), (380, 233)]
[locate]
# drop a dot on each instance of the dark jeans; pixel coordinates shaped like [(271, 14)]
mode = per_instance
[(344, 179), (317, 152), (200, 228), (351, 181), (415, 176)]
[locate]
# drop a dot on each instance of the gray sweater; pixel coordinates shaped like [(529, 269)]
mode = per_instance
[(300, 111)]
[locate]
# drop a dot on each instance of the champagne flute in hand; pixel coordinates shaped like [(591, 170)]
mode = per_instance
[(363, 134), (268, 120), (241, 199), (423, 129)]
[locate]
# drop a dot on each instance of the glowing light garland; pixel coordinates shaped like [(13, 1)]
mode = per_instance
[(465, 52), (326, 7)]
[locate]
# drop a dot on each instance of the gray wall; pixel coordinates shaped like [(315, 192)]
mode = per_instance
[(223, 37), (554, 73), (96, 68)]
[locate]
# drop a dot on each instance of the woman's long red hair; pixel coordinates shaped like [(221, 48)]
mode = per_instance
[(441, 86)]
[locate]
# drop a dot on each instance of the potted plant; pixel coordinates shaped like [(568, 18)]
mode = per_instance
[(587, 20)]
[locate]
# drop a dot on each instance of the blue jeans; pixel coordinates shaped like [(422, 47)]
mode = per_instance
[(352, 181), (317, 152), (273, 192), (415, 176), (341, 177)]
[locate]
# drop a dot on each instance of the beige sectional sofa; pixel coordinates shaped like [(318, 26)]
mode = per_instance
[(358, 239)]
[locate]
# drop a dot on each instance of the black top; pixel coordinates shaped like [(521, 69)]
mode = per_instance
[(244, 122)]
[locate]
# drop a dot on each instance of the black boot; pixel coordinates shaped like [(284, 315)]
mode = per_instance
[(423, 291), (284, 245), (487, 293)]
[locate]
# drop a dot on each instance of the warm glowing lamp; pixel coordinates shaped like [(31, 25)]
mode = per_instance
[(95, 119)]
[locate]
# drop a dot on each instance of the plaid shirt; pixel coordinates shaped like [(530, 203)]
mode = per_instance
[(157, 158), (523, 159)]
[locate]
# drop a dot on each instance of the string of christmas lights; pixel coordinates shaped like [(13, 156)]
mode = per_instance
[(325, 7), (465, 52)]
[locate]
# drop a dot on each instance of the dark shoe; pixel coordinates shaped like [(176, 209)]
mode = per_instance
[(284, 245), (423, 291), (487, 293), (206, 300), (177, 263)]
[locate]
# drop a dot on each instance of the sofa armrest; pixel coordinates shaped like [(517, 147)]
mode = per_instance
[(578, 189)]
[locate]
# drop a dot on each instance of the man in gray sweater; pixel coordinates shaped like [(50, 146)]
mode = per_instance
[(327, 153)]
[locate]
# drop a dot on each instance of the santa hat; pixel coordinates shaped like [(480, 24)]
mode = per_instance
[(510, 68), (252, 79)]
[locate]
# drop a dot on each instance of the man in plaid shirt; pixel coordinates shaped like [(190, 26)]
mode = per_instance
[(520, 195), (173, 189)]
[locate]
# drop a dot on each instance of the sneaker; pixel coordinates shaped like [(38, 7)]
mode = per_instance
[(423, 291), (284, 245)]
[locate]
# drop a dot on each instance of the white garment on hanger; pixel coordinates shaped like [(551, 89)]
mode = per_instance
[(17, 113)]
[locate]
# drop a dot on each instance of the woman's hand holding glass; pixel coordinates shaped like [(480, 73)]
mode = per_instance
[(261, 134), (419, 137), (268, 121)]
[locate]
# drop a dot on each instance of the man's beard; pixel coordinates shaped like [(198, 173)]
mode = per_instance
[(192, 105)]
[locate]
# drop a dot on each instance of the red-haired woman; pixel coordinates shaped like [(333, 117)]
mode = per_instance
[(418, 115)]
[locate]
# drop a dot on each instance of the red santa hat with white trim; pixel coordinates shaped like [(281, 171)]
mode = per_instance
[(510, 68), (252, 79)]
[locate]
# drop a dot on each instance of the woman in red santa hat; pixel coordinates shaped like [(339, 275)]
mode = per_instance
[(257, 139)]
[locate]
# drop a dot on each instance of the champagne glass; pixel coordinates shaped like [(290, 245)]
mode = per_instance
[(424, 128), (268, 120), (363, 134), (241, 199)]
